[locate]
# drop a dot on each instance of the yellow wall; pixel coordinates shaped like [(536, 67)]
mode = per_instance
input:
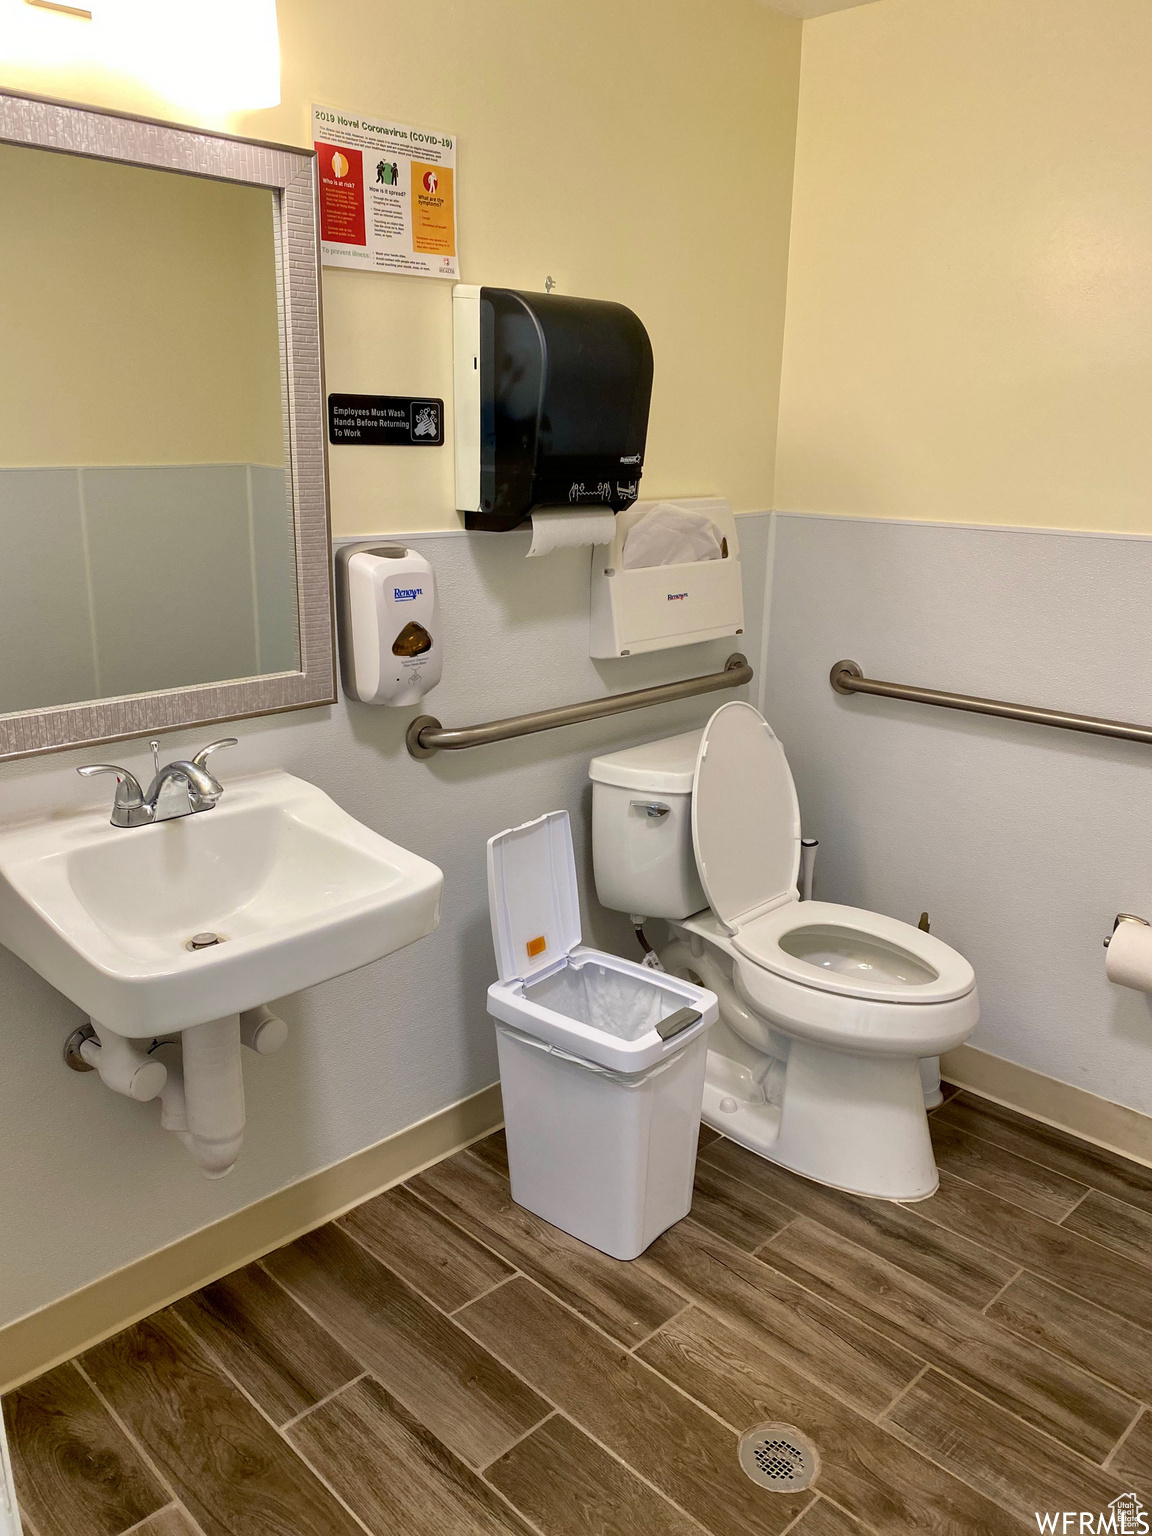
[(969, 325), (639, 150), (138, 316)]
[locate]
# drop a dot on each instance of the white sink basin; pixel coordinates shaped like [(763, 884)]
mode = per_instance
[(298, 891)]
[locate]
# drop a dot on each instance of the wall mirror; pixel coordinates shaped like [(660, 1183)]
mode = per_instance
[(164, 541)]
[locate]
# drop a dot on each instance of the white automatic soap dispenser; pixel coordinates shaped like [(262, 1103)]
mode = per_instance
[(391, 644)]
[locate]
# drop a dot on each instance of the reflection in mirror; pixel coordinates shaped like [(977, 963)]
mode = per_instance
[(146, 526)]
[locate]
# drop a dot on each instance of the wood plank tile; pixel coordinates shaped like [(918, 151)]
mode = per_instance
[(1051, 1394), (994, 1452), (76, 1472), (1096, 1273), (1132, 1463), (620, 1298), (492, 1150), (1123, 1228), (425, 1248), (1036, 1188), (1078, 1331), (824, 1519), (866, 1367), (735, 1210), (885, 1484), (958, 1268), (226, 1463), (568, 1486), (278, 1354), (707, 1137), (1080, 1160), (172, 1521), (629, 1409), (394, 1473), (475, 1406)]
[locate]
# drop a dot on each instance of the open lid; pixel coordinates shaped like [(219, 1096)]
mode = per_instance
[(745, 816), (533, 899)]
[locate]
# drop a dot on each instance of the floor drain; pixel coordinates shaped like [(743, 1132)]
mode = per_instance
[(779, 1457)]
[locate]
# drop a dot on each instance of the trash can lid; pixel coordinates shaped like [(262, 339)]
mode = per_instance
[(533, 899)]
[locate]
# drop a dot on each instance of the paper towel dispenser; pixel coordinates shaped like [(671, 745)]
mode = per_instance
[(551, 400)]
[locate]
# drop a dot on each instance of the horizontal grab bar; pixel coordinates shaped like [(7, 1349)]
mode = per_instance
[(848, 677), (426, 735)]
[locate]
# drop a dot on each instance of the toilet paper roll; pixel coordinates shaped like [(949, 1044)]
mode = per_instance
[(562, 529), (1129, 961)]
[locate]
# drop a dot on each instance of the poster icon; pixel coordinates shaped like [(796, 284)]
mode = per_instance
[(426, 421), (341, 194), (430, 182)]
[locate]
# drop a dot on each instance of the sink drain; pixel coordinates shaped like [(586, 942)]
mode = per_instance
[(204, 940), (779, 1457)]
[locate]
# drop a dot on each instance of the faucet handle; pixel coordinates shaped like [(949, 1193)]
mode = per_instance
[(214, 746), (129, 795)]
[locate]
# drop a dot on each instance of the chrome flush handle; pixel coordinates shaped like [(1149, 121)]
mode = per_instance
[(651, 808)]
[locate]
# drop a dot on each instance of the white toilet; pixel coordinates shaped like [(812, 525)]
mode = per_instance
[(825, 1010)]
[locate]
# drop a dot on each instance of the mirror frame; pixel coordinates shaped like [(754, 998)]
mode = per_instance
[(38, 123)]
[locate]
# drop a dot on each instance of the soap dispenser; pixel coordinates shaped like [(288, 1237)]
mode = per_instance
[(390, 640)]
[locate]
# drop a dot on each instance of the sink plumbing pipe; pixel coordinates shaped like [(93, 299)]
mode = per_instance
[(122, 1065), (202, 1101), (202, 1092)]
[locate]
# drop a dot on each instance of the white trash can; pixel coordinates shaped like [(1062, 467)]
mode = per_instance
[(601, 1060), (9, 1513)]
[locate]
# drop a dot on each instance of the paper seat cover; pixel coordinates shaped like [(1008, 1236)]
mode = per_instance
[(745, 815)]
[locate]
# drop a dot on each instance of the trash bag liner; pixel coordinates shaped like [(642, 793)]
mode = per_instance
[(625, 1007)]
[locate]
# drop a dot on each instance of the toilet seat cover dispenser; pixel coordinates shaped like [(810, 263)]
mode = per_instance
[(533, 897), (745, 816)]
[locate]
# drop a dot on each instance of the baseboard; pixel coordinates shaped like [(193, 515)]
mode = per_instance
[(64, 1328), (1083, 1114)]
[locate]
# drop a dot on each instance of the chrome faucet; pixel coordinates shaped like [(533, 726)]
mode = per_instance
[(180, 788)]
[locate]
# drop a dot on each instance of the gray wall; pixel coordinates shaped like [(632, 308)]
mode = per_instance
[(131, 578), (1022, 842), (89, 1181)]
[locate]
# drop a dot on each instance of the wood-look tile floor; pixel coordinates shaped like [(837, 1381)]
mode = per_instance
[(441, 1363)]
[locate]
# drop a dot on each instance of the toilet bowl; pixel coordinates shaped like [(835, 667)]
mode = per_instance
[(825, 1010)]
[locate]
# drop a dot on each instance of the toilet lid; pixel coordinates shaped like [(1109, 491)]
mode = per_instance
[(745, 816)]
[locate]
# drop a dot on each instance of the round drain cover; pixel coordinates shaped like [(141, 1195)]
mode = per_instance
[(779, 1457), (204, 940)]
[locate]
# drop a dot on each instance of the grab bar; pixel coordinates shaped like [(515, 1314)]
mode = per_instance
[(847, 677), (426, 735)]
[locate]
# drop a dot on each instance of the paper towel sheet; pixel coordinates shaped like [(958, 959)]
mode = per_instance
[(1129, 961), (562, 529), (670, 534)]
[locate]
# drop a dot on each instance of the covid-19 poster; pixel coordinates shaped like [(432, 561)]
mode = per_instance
[(387, 195)]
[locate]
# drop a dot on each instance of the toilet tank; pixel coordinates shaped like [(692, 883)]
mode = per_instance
[(642, 829)]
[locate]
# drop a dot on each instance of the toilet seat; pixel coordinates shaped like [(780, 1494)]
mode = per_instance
[(854, 953), (746, 837)]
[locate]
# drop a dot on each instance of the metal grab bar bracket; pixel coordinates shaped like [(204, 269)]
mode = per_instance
[(426, 736), (848, 677), (841, 671)]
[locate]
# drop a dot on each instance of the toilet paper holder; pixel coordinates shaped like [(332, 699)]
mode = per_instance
[(1126, 917)]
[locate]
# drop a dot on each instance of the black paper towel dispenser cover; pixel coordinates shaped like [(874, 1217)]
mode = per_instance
[(552, 397)]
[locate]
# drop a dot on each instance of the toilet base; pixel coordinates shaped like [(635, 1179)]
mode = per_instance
[(856, 1123)]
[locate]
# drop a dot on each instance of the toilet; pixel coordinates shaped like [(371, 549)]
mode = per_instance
[(825, 1010)]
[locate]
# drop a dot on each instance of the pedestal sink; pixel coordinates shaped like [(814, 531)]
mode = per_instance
[(290, 887)]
